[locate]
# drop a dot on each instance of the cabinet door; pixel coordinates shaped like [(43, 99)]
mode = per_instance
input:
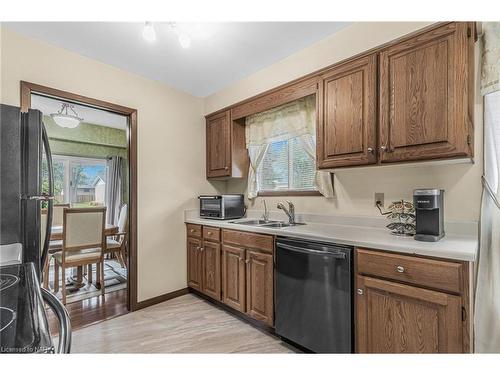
[(425, 96), (219, 145), (347, 109), (194, 263), (211, 269), (398, 318), (259, 286), (233, 277)]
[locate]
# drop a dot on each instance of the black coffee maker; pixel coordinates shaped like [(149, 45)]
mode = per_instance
[(429, 214)]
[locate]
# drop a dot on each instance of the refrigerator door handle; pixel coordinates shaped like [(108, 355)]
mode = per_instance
[(48, 197)]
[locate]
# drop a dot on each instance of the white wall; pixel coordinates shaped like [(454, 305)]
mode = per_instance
[(171, 146), (354, 189)]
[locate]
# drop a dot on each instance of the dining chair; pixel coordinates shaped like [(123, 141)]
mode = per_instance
[(54, 247), (58, 213), (83, 242), (116, 243)]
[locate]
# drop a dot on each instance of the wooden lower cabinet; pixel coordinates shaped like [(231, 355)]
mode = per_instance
[(211, 277), (397, 312), (233, 277), (259, 286), (194, 263), (398, 318)]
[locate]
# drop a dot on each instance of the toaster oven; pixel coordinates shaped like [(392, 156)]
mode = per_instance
[(222, 207)]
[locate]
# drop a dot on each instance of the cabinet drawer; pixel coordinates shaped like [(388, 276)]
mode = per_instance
[(211, 234), (245, 239), (193, 230), (429, 273)]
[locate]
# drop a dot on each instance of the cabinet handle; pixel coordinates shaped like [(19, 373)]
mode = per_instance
[(370, 150), (247, 261), (383, 148), (191, 231), (226, 168), (386, 149), (209, 233), (201, 249), (400, 269), (359, 291)]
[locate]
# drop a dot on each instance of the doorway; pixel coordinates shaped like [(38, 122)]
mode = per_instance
[(95, 165)]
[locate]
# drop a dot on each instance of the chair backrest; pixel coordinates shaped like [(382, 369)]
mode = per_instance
[(122, 223), (83, 228), (57, 214)]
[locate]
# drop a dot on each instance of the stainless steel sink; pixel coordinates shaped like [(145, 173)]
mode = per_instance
[(254, 222), (265, 224), (281, 225)]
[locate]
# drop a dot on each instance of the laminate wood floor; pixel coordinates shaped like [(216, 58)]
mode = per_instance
[(187, 324)]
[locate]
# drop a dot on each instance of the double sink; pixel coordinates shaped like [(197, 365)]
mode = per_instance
[(266, 223)]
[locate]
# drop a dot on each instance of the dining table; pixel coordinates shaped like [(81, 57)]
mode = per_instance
[(77, 277)]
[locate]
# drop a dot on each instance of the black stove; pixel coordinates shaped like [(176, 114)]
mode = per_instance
[(23, 323)]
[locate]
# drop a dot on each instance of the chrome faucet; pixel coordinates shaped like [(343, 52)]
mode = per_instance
[(265, 215), (290, 212)]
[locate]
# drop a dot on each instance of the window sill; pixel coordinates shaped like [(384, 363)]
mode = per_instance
[(288, 193)]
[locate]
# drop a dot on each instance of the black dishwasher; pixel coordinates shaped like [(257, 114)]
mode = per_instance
[(314, 305)]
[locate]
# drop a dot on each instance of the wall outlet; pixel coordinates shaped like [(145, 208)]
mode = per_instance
[(379, 197)]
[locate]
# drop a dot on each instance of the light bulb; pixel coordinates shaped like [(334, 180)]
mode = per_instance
[(184, 40), (149, 32)]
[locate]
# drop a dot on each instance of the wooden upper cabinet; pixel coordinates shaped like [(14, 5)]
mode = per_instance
[(194, 263), (260, 286), (227, 155), (425, 95), (347, 114), (219, 145), (398, 318)]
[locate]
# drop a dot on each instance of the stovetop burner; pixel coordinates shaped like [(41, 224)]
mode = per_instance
[(7, 280), (7, 316)]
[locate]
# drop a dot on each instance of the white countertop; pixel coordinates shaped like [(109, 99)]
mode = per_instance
[(460, 245)]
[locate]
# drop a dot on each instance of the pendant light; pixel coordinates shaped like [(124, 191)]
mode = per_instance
[(65, 119)]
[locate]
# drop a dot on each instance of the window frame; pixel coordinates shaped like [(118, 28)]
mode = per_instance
[(67, 162), (288, 192)]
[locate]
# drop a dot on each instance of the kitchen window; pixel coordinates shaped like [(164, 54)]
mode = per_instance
[(286, 166), (281, 144)]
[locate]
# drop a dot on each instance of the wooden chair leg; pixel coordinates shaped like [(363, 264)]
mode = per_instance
[(98, 276), (89, 273), (46, 273), (63, 272), (56, 276), (119, 256), (102, 276)]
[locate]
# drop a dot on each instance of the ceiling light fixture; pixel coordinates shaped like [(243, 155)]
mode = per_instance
[(149, 32), (183, 38), (65, 119)]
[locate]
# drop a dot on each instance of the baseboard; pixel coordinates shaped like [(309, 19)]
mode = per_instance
[(160, 298)]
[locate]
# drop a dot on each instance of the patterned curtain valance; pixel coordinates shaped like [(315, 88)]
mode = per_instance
[(490, 71)]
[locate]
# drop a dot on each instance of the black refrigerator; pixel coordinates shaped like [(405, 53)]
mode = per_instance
[(24, 145), (24, 190)]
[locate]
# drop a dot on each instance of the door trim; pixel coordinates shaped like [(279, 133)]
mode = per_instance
[(27, 88)]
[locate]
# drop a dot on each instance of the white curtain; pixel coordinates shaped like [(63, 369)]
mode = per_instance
[(487, 298), (323, 180), (490, 69), (256, 154), (296, 119)]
